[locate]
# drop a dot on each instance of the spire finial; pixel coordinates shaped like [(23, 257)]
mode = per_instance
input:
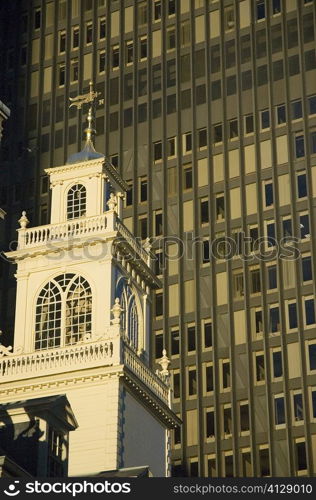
[(79, 101)]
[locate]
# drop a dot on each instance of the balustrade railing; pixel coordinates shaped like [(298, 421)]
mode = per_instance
[(20, 366), (145, 374), (42, 235)]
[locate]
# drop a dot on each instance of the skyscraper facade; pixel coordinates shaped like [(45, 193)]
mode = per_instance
[(208, 110)]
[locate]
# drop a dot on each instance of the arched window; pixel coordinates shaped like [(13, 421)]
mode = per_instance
[(133, 323), (129, 316), (63, 312), (76, 202), (78, 310), (48, 317)]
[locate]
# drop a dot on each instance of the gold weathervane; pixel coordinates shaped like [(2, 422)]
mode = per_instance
[(90, 97)]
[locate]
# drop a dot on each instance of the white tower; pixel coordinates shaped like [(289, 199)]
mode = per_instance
[(82, 324)]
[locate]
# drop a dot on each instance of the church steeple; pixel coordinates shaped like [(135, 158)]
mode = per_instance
[(83, 318)]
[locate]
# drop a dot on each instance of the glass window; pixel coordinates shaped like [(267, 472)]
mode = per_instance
[(301, 185), (206, 252), (312, 105), (299, 146), (309, 311), (268, 191), (313, 142), (175, 342), (298, 407), (296, 110), (292, 316), (102, 28), (307, 268), (159, 304), (75, 37), (204, 211), (312, 356), (171, 7), (171, 38), (301, 460), (265, 119), (129, 52), (142, 48), (191, 338), (115, 57), (209, 378), (158, 345), (230, 54), (260, 368), (89, 32), (258, 320), (157, 10), (210, 424), (279, 410), (188, 178), (142, 13), (218, 133), (262, 75), (220, 207), (233, 129), (37, 19), (304, 226), (62, 42), (244, 418), (192, 383), (272, 278), (202, 138), (226, 374), (208, 336), (276, 38), (261, 9), (246, 80), (231, 85), (277, 364), (287, 227), (274, 319), (143, 189), (314, 404), (158, 151), (276, 6), (281, 114), (249, 124), (261, 44), (216, 60), (271, 234), (310, 59)]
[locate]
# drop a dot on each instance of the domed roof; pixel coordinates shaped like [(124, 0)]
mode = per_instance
[(88, 153)]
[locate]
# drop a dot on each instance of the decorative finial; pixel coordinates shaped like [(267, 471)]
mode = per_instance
[(23, 221), (164, 362), (116, 311), (112, 202), (147, 245), (79, 101)]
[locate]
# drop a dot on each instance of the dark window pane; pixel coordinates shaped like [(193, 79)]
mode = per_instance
[(277, 364)]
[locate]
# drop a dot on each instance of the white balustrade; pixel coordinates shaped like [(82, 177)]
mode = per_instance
[(43, 235), (133, 242), (54, 361), (145, 374)]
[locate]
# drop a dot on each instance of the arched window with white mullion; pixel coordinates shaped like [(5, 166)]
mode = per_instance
[(76, 202), (63, 313)]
